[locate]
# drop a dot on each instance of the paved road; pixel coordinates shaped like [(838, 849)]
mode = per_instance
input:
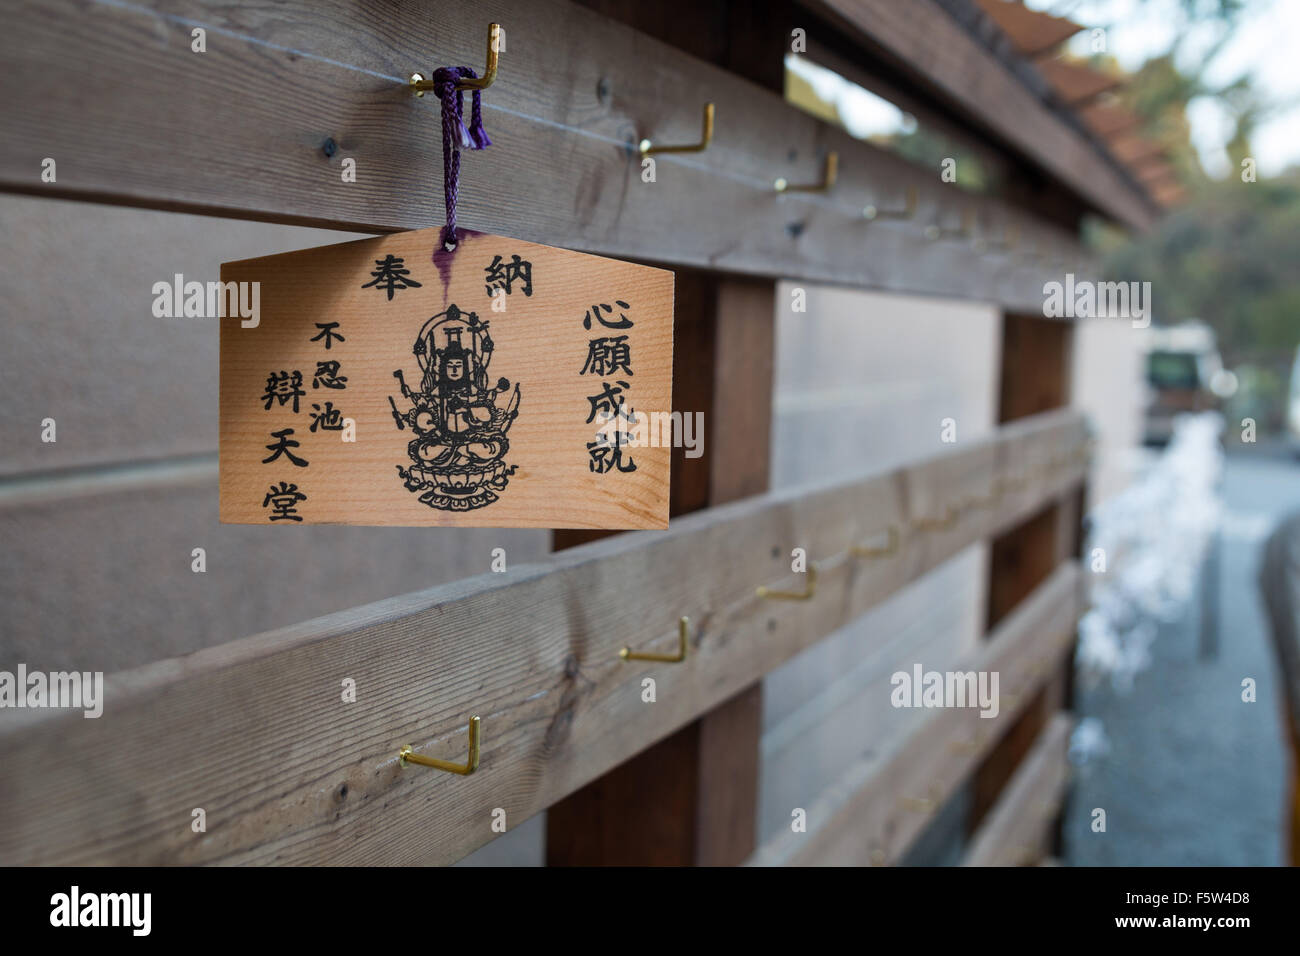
[(1194, 775)]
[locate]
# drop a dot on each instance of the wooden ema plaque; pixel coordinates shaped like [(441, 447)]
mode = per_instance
[(500, 384)]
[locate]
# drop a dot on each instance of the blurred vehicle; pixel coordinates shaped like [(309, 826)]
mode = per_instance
[(1293, 405), (1184, 373)]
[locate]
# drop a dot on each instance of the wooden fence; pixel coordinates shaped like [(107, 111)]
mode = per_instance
[(253, 730)]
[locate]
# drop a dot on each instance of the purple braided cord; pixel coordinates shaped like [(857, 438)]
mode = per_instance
[(456, 136)]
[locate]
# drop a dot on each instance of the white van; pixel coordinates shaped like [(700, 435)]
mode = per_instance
[(1182, 362)]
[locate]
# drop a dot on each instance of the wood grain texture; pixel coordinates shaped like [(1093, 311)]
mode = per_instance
[(691, 799), (1018, 829), (260, 129), (102, 578), (475, 395), (254, 731), (1036, 366), (884, 801), (939, 50), (862, 385), (58, 320)]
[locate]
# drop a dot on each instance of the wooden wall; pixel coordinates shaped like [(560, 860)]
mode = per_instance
[(99, 526), (861, 384)]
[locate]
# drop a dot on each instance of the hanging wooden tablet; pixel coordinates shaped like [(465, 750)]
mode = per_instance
[(500, 383)]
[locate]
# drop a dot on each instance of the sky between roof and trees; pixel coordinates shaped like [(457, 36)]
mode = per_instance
[(1241, 54)]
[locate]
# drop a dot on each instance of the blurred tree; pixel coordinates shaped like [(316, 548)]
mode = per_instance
[(1228, 254)]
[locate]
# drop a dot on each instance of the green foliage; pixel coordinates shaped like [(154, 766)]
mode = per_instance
[(1228, 256)]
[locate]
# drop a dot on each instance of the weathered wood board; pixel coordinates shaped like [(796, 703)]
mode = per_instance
[(884, 801), (567, 109), (1018, 827), (254, 731), (501, 383)]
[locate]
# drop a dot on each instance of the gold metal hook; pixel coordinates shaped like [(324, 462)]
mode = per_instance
[(964, 231), (420, 84), (872, 211), (968, 747), (937, 524), (1013, 482), (683, 630), (1010, 239), (407, 755), (923, 804), (706, 137), (810, 588), (830, 173), (890, 547), (986, 501)]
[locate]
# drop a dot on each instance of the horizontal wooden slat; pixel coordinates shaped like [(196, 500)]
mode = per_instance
[(241, 130), (82, 345), (934, 45), (883, 802), (1014, 832), (255, 732), (97, 572)]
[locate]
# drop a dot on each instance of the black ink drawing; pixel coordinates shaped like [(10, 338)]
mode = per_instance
[(283, 500), (608, 356), (459, 420), (607, 453), (608, 402), (283, 387), (327, 376), (327, 333), (281, 447), (503, 275), (623, 322), (327, 419), (391, 275)]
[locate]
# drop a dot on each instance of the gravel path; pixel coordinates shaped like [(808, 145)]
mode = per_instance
[(1194, 775)]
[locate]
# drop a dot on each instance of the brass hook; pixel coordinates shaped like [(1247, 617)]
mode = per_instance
[(935, 231), (706, 137), (1013, 482), (924, 804), (968, 747), (986, 501), (407, 755), (907, 212), (683, 629), (1010, 239), (420, 84), (830, 173), (937, 524), (889, 548), (809, 589)]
